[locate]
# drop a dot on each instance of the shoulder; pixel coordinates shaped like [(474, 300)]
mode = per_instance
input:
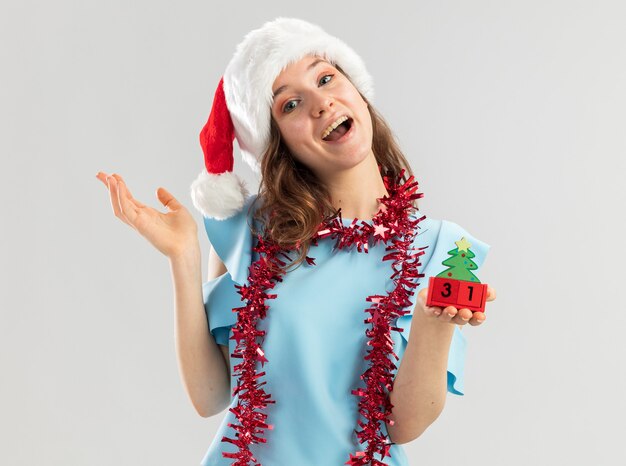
[(232, 239)]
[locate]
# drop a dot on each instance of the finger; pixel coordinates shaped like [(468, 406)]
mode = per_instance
[(129, 196), (168, 200), (103, 178), (430, 311), (491, 293), (115, 203), (128, 209), (448, 314), (477, 319), (462, 317), (422, 295)]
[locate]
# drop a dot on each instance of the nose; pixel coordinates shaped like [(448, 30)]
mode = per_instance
[(322, 104)]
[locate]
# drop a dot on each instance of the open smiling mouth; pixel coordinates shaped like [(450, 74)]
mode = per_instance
[(339, 131)]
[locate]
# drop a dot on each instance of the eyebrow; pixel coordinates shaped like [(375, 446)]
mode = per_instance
[(282, 88)]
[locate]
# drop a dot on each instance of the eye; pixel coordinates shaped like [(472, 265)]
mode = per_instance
[(324, 80), (290, 105)]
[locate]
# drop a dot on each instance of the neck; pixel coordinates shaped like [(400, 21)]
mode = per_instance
[(355, 190)]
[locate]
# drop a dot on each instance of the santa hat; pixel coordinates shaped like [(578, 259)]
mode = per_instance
[(242, 103)]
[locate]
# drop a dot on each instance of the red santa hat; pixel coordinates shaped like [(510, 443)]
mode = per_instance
[(242, 103)]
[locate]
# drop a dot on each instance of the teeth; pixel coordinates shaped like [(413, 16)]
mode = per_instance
[(334, 125)]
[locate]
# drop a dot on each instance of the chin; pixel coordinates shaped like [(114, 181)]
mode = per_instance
[(352, 159)]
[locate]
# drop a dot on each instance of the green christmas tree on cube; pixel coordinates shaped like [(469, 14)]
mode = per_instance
[(460, 263)]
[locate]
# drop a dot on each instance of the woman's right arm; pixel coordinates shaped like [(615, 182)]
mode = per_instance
[(202, 365), (201, 360), (217, 269)]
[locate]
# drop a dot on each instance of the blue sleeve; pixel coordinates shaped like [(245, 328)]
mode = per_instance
[(232, 241), (220, 298), (440, 236)]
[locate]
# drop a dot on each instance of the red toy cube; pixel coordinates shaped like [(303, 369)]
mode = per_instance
[(443, 292)]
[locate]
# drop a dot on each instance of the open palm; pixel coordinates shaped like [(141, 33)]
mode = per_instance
[(171, 233)]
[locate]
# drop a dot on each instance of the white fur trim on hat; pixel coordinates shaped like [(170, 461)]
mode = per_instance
[(218, 196)]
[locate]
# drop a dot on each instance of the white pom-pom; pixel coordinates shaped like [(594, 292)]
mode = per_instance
[(218, 196)]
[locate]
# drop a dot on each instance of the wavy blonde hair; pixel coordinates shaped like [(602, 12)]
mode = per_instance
[(294, 201)]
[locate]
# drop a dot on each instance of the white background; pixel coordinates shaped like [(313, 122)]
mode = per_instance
[(512, 114)]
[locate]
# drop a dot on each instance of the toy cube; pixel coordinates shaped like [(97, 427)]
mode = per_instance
[(443, 292)]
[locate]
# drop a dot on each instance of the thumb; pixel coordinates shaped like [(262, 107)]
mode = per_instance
[(421, 297), (167, 199)]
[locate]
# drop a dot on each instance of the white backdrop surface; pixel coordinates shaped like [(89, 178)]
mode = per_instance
[(512, 114)]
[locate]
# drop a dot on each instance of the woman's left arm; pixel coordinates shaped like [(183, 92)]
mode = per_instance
[(420, 387)]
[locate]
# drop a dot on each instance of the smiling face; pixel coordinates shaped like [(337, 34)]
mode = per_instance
[(311, 97)]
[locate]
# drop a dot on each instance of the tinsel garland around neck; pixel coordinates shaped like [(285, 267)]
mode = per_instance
[(394, 226)]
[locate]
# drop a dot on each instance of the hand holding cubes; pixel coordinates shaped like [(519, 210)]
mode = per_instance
[(444, 292)]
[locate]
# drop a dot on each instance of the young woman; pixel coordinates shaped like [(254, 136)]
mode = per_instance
[(316, 282)]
